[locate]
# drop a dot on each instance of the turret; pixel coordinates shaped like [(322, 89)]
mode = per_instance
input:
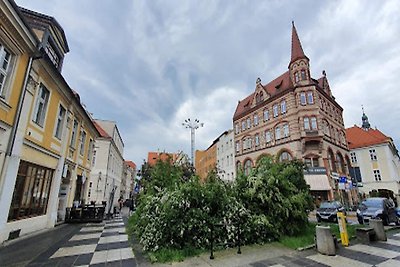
[(299, 67)]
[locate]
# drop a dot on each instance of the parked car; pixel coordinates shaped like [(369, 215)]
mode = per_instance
[(377, 207), (328, 210)]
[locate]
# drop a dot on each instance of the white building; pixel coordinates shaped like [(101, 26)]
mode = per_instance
[(226, 156), (107, 171), (128, 179), (375, 161)]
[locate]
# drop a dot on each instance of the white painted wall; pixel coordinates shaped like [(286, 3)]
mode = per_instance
[(226, 157)]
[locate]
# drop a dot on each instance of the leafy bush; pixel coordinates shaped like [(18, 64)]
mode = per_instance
[(177, 211)]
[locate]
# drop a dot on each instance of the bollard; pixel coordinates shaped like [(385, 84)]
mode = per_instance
[(325, 242), (380, 233)]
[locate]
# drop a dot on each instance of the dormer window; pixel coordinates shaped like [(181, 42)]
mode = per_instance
[(52, 54)]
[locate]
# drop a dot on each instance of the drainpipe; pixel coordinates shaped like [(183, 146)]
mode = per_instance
[(13, 134)]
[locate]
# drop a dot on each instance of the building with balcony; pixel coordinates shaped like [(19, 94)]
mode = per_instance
[(296, 116), (375, 161)]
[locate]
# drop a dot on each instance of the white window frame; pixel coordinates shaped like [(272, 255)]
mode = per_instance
[(39, 115), (266, 114), (257, 140), (283, 107), (372, 154), (5, 72), (255, 119), (303, 75), (313, 123), (277, 133), (275, 109), (268, 136), (60, 121), (353, 157), (243, 125), (310, 98), (74, 133), (306, 123), (303, 99), (82, 142), (377, 175), (286, 130), (248, 123), (296, 77)]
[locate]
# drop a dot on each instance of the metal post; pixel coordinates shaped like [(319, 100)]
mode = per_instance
[(193, 126)]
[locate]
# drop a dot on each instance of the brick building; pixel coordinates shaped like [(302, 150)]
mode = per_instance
[(296, 116)]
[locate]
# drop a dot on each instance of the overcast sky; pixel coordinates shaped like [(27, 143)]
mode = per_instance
[(149, 65)]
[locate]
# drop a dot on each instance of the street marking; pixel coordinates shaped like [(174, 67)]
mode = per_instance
[(389, 263), (85, 236), (337, 261), (391, 242), (72, 251), (375, 251)]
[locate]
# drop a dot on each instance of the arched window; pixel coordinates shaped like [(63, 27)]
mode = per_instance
[(247, 166), (340, 163), (238, 166), (331, 160), (285, 156)]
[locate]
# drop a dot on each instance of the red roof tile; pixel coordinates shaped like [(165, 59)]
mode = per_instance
[(274, 87), (102, 132), (297, 49), (130, 164), (358, 137)]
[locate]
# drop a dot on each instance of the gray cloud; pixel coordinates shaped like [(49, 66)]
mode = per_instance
[(151, 64)]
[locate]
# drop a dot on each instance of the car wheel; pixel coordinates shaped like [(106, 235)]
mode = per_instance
[(360, 221), (318, 219)]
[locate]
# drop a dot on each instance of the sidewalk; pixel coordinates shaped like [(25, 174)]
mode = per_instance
[(89, 244)]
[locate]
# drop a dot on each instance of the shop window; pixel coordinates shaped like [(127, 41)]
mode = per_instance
[(31, 191)]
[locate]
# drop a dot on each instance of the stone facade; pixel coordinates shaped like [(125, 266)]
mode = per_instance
[(296, 116)]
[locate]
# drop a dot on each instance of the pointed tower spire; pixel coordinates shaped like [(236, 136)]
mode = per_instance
[(365, 123), (297, 49)]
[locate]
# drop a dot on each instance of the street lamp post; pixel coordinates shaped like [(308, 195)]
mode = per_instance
[(193, 126)]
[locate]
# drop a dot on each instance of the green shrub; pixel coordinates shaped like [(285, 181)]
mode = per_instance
[(177, 211)]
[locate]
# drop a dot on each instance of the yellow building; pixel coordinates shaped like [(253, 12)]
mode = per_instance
[(51, 154)]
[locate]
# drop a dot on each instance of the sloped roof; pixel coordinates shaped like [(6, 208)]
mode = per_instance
[(102, 132), (297, 49), (279, 84), (130, 164), (358, 137)]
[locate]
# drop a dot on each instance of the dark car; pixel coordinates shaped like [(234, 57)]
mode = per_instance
[(377, 208), (328, 211)]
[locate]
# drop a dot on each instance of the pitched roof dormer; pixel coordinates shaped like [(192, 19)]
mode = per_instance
[(260, 93), (50, 33), (299, 66)]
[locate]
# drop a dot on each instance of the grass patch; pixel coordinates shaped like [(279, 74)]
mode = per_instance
[(306, 238), (170, 255)]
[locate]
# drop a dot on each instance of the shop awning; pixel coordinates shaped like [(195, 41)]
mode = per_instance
[(317, 182)]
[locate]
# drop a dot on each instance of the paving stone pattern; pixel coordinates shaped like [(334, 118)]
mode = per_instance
[(94, 245), (379, 254)]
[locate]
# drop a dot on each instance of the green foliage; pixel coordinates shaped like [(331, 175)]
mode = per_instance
[(277, 198), (177, 211)]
